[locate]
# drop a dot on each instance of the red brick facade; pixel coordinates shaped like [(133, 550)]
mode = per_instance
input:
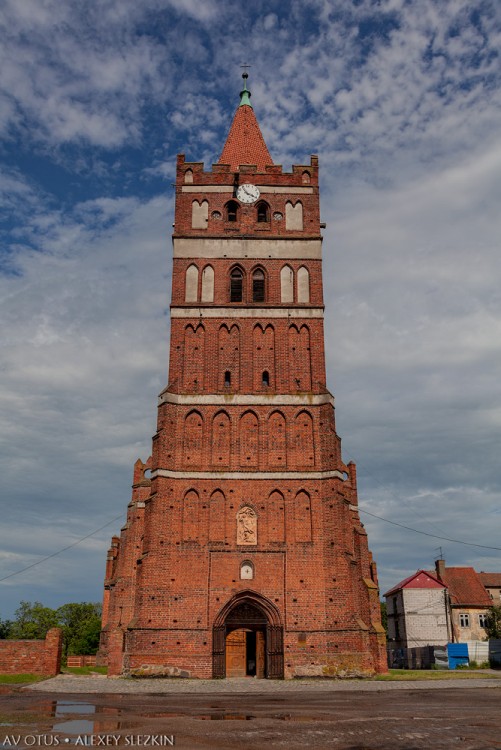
[(243, 552)]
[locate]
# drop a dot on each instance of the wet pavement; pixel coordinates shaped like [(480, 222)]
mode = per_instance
[(253, 714)]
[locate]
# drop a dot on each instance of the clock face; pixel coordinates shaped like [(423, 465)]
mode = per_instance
[(248, 193)]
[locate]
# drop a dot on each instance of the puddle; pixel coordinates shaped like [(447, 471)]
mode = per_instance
[(76, 726), (81, 718), (69, 707), (223, 717)]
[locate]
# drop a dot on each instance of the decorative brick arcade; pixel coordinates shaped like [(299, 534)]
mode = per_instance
[(243, 553)]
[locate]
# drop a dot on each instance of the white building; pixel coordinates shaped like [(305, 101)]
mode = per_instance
[(418, 612)]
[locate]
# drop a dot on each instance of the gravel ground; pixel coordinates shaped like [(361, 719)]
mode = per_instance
[(101, 684)]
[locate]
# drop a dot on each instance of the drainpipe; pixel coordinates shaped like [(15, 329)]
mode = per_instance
[(447, 616)]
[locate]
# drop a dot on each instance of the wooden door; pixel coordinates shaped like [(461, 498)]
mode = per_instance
[(236, 653), (260, 654)]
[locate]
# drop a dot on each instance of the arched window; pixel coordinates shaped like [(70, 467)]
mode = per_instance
[(258, 286), (208, 284), (266, 378), (287, 284), (227, 379), (263, 211), (236, 285), (294, 216), (303, 285), (199, 214), (231, 211), (191, 284)]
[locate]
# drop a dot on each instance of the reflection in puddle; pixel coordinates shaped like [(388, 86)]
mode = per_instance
[(70, 707), (84, 718), (224, 717), (102, 719), (76, 726)]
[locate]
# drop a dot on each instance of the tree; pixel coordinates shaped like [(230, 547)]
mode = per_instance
[(87, 640), (493, 623), (32, 621), (81, 624), (5, 628)]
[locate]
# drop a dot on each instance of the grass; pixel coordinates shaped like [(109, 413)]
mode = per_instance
[(25, 679), (434, 674), (11, 679), (84, 670)]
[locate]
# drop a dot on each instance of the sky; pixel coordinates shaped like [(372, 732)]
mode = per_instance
[(401, 101)]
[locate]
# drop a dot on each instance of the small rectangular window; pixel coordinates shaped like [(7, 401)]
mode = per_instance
[(482, 620), (464, 620)]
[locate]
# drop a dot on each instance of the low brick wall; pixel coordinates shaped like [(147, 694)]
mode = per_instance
[(32, 657)]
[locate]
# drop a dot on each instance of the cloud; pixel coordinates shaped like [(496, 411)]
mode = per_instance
[(78, 339), (402, 103)]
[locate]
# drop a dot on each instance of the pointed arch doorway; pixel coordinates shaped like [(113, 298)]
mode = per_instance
[(248, 638)]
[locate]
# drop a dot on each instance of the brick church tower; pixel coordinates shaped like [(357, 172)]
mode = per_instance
[(243, 552)]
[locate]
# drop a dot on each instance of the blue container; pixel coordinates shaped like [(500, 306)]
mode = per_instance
[(458, 654)]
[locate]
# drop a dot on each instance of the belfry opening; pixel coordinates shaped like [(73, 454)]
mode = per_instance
[(242, 552)]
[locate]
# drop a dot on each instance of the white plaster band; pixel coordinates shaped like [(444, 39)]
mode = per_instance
[(273, 189), (239, 399), (246, 312), (275, 475), (283, 248)]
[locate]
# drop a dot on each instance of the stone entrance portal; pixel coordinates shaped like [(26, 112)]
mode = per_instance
[(248, 639)]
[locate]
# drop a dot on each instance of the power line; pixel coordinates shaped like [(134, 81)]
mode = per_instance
[(373, 515), (54, 554), (401, 499), (425, 533)]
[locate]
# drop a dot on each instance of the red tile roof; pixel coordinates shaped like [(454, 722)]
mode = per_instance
[(245, 143), (420, 580), (490, 579), (465, 587)]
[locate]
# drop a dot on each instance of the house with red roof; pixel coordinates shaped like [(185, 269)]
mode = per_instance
[(492, 582), (469, 601), (418, 612), (448, 604)]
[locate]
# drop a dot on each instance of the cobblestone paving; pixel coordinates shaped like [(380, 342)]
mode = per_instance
[(101, 684)]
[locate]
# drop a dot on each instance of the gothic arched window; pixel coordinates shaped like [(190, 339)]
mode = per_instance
[(263, 211), (258, 286), (236, 285), (231, 211)]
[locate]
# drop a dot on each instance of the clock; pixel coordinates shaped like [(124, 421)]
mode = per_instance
[(247, 193)]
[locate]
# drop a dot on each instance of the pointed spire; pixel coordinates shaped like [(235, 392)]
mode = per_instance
[(245, 143)]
